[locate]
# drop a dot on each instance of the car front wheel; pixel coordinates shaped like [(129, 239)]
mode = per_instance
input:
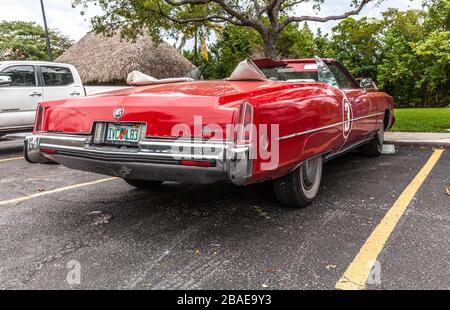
[(299, 188), (143, 184)]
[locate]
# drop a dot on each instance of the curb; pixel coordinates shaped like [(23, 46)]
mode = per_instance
[(419, 143)]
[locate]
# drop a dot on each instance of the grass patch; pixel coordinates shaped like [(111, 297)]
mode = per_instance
[(422, 120)]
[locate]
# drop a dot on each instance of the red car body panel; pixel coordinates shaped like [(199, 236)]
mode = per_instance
[(161, 107), (298, 108)]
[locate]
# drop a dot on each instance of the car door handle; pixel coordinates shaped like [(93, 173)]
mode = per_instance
[(35, 94), (74, 93)]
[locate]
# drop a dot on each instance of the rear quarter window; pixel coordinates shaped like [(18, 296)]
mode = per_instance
[(56, 76)]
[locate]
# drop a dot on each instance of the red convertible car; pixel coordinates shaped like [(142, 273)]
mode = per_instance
[(269, 121)]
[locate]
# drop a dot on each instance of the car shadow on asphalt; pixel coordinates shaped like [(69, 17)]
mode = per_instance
[(260, 194), (221, 202)]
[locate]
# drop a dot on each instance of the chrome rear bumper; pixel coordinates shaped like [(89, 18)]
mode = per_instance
[(183, 160)]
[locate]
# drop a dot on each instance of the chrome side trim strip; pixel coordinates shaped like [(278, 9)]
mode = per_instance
[(327, 127), (310, 131), (367, 116)]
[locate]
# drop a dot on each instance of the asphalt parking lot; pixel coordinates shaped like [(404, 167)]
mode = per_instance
[(184, 236)]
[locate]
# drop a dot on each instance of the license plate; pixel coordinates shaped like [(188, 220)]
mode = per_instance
[(123, 133)]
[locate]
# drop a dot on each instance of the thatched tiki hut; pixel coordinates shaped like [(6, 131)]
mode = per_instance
[(103, 60)]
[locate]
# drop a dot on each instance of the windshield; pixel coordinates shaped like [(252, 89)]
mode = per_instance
[(287, 73), (316, 71), (324, 74)]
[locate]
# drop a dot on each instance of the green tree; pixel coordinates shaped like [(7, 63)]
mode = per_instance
[(434, 51), (233, 45), (400, 68), (357, 44), (415, 62), (438, 18), (322, 44), (406, 52), (26, 41), (296, 42), (269, 18)]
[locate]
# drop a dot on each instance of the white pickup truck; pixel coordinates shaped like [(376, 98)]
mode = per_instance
[(23, 84)]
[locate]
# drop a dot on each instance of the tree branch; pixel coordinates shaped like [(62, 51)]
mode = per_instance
[(258, 10), (289, 5), (294, 19), (254, 23), (273, 11), (211, 18), (233, 14), (271, 6), (183, 2)]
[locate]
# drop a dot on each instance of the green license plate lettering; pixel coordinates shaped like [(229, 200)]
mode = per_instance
[(124, 133)]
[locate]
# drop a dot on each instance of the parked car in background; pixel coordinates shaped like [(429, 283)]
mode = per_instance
[(270, 120), (23, 84)]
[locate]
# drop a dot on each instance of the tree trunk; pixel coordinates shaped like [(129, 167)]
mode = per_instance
[(270, 50)]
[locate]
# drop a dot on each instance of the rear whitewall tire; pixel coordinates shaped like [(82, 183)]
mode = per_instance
[(375, 146), (299, 188)]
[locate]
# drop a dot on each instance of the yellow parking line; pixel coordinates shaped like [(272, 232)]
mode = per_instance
[(355, 276), (8, 159), (53, 191)]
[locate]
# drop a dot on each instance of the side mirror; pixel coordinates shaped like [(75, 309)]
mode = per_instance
[(366, 83), (5, 80)]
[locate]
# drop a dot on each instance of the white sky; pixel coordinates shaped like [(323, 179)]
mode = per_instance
[(62, 16)]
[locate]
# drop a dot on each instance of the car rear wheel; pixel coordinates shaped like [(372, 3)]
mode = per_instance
[(375, 146), (299, 188), (143, 184)]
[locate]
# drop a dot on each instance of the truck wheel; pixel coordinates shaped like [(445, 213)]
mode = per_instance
[(375, 146), (299, 188), (143, 184)]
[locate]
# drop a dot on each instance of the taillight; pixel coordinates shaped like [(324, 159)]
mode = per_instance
[(39, 119), (48, 151), (244, 126)]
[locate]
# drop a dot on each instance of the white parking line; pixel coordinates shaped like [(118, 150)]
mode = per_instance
[(53, 191)]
